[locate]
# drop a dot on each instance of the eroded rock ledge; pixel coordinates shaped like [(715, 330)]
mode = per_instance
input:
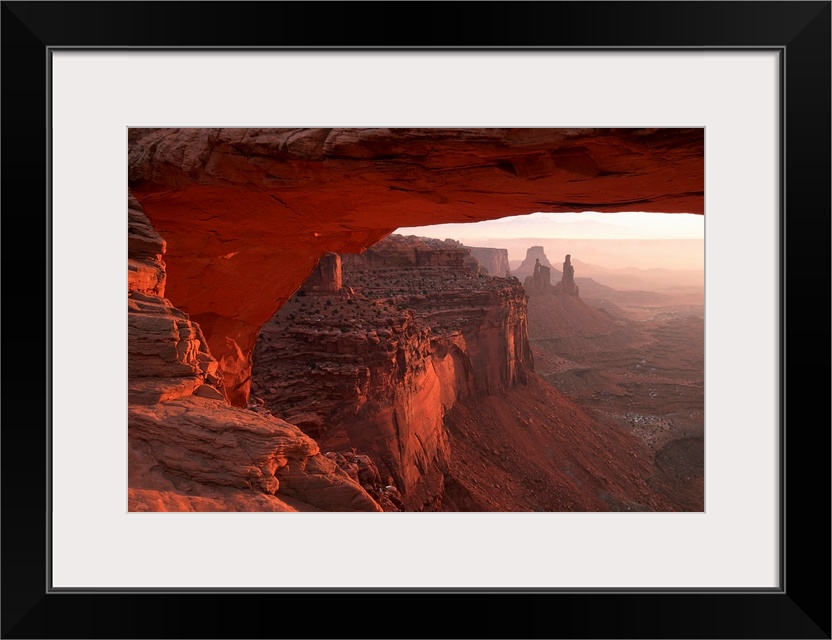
[(189, 450)]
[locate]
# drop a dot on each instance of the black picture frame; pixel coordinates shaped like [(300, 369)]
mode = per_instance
[(800, 31)]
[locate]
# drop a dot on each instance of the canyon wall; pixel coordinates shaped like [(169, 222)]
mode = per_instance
[(168, 356), (376, 366), (424, 374), (188, 449), (493, 261), (247, 213)]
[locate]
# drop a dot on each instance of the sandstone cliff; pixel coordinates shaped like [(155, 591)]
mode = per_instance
[(167, 354), (189, 450), (375, 366), (425, 372)]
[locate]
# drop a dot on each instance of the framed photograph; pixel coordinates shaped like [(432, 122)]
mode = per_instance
[(102, 98)]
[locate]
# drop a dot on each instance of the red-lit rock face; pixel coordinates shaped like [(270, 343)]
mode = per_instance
[(247, 213), (189, 450), (376, 366)]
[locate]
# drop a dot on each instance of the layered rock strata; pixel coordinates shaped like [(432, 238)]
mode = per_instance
[(375, 366), (200, 454), (384, 373), (168, 356), (235, 204), (189, 450)]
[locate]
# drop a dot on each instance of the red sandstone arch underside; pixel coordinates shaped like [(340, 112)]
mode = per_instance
[(247, 213)]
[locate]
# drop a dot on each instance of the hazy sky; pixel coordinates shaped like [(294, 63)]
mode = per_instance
[(589, 225), (612, 240)]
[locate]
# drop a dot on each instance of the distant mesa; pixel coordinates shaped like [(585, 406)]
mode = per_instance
[(533, 256), (410, 252)]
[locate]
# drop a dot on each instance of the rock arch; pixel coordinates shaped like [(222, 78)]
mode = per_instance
[(247, 213)]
